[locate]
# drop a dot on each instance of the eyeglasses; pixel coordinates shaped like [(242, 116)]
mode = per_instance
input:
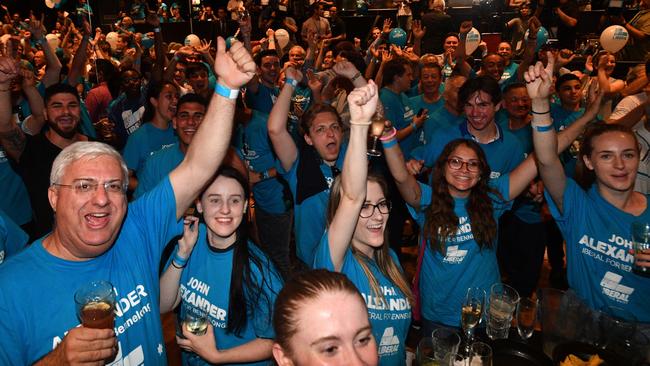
[(457, 164), (368, 209), (86, 186)]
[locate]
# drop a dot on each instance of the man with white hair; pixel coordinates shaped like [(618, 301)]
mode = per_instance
[(94, 239)]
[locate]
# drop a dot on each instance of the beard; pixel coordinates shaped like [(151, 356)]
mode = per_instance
[(67, 134)]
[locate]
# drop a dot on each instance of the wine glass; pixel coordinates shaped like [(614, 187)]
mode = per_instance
[(471, 312), (480, 354), (376, 130), (526, 317)]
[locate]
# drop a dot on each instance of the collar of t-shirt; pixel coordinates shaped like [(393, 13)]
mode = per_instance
[(464, 130)]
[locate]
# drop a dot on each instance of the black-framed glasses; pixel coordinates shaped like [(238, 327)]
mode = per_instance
[(87, 186), (457, 164), (368, 209)]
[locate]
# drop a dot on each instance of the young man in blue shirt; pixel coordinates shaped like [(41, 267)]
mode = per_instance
[(95, 239)]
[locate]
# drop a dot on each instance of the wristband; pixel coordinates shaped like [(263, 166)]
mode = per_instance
[(414, 126), (292, 82), (156, 30), (226, 92), (543, 128), (176, 265), (547, 112), (356, 76), (392, 134), (179, 260), (389, 144)]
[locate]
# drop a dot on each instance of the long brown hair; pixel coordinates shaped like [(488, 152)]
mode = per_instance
[(381, 255), (441, 222), (584, 176)]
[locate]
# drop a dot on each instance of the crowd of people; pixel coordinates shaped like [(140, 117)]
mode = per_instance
[(267, 179)]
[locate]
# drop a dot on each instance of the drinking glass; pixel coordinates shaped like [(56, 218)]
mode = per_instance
[(456, 359), (445, 341), (526, 317), (480, 354), (503, 301), (195, 321), (376, 130), (95, 304), (424, 353), (471, 312), (617, 327), (641, 241)]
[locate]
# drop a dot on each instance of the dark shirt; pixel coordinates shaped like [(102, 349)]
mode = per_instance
[(34, 167), (338, 26), (438, 26)]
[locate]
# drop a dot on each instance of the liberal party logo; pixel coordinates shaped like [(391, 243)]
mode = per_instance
[(454, 255), (612, 287), (389, 342)]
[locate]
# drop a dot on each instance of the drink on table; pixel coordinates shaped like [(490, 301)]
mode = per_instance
[(471, 312), (641, 241), (526, 317), (503, 301)]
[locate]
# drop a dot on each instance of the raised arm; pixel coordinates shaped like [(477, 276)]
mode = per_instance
[(283, 144), (406, 183), (53, 66), (80, 57), (234, 69), (362, 102), (538, 83), (170, 280), (12, 137), (159, 65), (35, 122)]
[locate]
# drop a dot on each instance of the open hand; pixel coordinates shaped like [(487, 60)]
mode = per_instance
[(8, 70)]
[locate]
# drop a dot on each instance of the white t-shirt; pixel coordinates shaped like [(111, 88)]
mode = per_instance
[(627, 104)]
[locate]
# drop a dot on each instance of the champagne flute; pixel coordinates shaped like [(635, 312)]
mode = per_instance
[(526, 317), (471, 312), (376, 130)]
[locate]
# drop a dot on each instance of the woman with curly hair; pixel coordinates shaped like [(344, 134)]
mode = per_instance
[(458, 214)]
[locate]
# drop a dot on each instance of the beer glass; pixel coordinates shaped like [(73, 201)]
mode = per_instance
[(641, 241), (95, 303)]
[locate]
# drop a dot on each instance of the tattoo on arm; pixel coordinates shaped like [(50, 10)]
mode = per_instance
[(13, 141)]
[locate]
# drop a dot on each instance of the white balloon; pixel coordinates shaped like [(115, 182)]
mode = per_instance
[(50, 4), (111, 38), (53, 40), (472, 41), (614, 38), (192, 40), (282, 36)]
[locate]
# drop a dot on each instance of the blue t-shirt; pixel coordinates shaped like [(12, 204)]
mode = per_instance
[(253, 145), (37, 299), (439, 120), (146, 140), (157, 166), (444, 279), (563, 118), (12, 237), (264, 99), (14, 200), (503, 154), (524, 208), (310, 215), (205, 284), (397, 109), (598, 238), (418, 103), (390, 315), (509, 71)]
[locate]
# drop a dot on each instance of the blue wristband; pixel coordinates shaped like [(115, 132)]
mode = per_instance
[(390, 143), (292, 82), (414, 126), (543, 128), (180, 261), (226, 92)]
